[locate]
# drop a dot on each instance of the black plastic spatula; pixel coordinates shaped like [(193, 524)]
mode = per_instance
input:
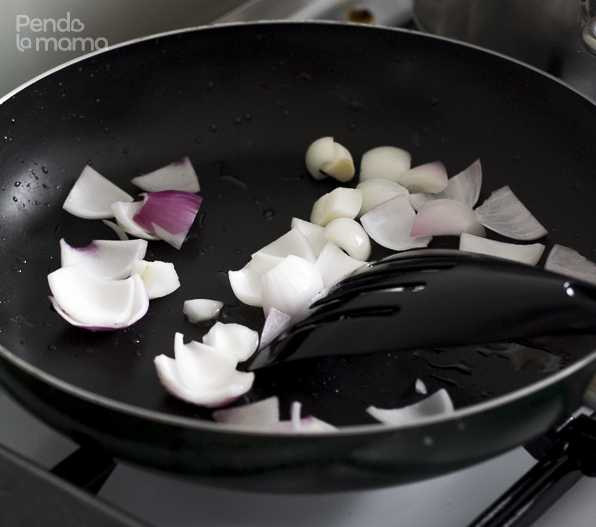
[(434, 298)]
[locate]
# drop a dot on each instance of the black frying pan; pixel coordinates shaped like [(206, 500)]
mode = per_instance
[(244, 102)]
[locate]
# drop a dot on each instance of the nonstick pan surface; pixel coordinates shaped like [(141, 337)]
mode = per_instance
[(244, 102)]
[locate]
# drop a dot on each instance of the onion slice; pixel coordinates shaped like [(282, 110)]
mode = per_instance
[(376, 191), (171, 210), (339, 203), (334, 264), (201, 310), (124, 213), (109, 259), (528, 254), (569, 262), (179, 175), (385, 162), (120, 232), (430, 177), (235, 339), (300, 424), (390, 225), (436, 404), (350, 236), (202, 375), (290, 286), (160, 278), (92, 195), (292, 242), (505, 214), (444, 217), (313, 233), (247, 282), (87, 300), (275, 323), (324, 157)]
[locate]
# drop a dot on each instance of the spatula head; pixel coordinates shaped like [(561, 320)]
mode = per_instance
[(434, 298)]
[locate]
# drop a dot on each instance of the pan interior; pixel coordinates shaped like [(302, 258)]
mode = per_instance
[(244, 103)]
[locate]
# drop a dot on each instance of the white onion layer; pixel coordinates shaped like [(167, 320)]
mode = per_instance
[(202, 375), (235, 339), (528, 254), (179, 175), (160, 278), (504, 213), (92, 195), (569, 262), (430, 177), (350, 236), (109, 259), (292, 242), (339, 203), (444, 217), (376, 191), (290, 286), (201, 310), (120, 232), (247, 282), (436, 404), (124, 213), (390, 224), (385, 162), (94, 302), (313, 233), (324, 157), (275, 323), (334, 264)]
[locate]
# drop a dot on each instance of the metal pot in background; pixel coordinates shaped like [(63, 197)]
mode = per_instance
[(557, 36)]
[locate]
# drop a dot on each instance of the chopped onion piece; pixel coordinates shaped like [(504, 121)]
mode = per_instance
[(528, 254), (430, 177), (202, 375), (334, 264), (275, 323), (179, 175), (465, 186), (385, 162), (290, 286), (109, 259), (504, 213), (568, 262), (124, 213), (420, 387), (390, 223), (120, 232), (339, 203), (160, 278), (436, 404), (350, 236), (325, 158), (175, 240), (90, 301), (261, 413), (300, 424), (342, 165), (313, 233), (444, 217), (201, 310), (92, 196), (171, 210), (235, 339), (376, 191), (247, 284), (292, 242), (417, 199)]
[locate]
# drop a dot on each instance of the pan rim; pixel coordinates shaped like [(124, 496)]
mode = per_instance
[(197, 424)]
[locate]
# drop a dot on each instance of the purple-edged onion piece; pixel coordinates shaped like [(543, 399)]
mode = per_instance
[(390, 224), (528, 254), (171, 210), (109, 259), (504, 213), (445, 217), (436, 404), (86, 300), (92, 196), (201, 310), (179, 175), (235, 339), (124, 213), (430, 177), (569, 262), (201, 374)]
